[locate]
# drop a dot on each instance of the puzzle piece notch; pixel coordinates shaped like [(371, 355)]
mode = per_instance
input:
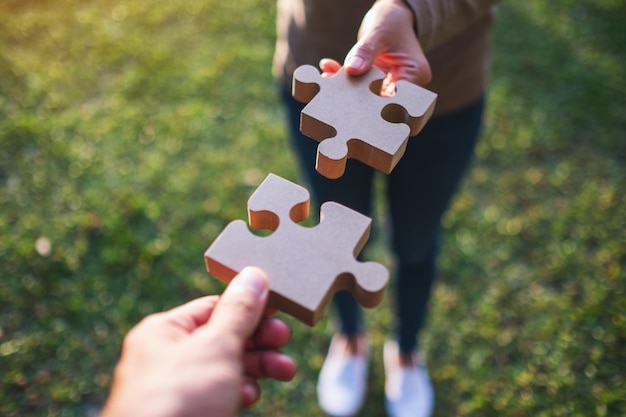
[(306, 265), (350, 120), (275, 199)]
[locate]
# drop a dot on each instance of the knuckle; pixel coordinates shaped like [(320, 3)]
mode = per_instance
[(244, 307), (367, 47)]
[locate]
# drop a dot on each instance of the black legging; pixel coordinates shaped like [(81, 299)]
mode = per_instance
[(419, 190)]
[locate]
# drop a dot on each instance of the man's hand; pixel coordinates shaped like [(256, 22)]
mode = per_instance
[(202, 358)]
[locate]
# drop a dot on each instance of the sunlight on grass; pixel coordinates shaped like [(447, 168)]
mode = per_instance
[(133, 132)]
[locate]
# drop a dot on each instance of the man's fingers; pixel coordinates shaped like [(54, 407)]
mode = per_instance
[(272, 333), (260, 364), (250, 392), (193, 314), (173, 324)]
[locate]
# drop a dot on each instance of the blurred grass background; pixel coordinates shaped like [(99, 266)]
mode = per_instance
[(132, 132)]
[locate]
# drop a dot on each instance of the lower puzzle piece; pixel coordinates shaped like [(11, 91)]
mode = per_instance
[(306, 265), (350, 120)]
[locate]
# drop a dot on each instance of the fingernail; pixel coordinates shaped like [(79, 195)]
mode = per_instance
[(355, 62), (252, 279)]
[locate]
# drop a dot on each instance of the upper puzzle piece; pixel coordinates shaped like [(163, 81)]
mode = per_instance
[(306, 265), (351, 120)]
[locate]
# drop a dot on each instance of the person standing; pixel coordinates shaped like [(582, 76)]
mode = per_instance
[(442, 45)]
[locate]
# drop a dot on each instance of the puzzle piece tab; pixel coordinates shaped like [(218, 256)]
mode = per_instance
[(306, 265), (350, 120)]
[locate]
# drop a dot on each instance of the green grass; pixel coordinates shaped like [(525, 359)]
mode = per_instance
[(132, 132)]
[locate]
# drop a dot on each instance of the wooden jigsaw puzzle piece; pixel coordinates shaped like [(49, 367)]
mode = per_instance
[(350, 120), (343, 234), (225, 258), (275, 199), (306, 266)]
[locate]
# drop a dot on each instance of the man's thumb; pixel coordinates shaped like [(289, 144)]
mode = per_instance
[(242, 304)]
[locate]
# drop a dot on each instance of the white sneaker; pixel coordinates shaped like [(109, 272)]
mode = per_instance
[(342, 382), (408, 391)]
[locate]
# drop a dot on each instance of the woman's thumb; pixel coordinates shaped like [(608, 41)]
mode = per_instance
[(362, 56)]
